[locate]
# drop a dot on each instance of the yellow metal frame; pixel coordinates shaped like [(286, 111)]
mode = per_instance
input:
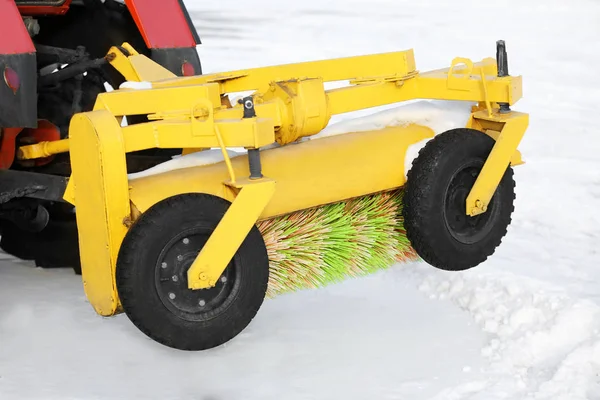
[(231, 231), (290, 103), (507, 130)]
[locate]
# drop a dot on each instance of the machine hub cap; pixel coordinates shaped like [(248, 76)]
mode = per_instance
[(462, 227), (172, 283)]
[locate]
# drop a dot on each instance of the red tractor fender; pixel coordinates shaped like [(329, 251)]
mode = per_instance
[(164, 24), (14, 38), (18, 84)]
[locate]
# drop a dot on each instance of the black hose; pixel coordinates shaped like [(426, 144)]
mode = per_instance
[(70, 72)]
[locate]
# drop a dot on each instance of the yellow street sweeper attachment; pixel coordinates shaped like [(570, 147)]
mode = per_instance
[(186, 253)]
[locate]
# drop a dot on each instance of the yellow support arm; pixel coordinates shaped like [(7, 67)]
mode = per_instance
[(136, 67), (230, 232), (508, 129)]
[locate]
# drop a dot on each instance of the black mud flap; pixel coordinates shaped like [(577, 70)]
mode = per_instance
[(182, 61), (18, 88)]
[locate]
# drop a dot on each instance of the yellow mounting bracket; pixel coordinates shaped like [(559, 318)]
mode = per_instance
[(136, 67), (460, 82), (508, 130), (231, 231)]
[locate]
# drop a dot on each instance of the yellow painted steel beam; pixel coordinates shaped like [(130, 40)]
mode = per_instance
[(425, 86), (384, 64), (503, 90), (251, 132), (101, 196), (512, 131), (148, 101), (231, 231)]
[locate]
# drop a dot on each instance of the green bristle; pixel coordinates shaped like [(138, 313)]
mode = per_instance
[(316, 247)]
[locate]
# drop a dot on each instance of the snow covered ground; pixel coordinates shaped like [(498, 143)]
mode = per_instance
[(525, 325)]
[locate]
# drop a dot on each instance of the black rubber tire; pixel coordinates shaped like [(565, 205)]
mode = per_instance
[(138, 268), (56, 246), (435, 195)]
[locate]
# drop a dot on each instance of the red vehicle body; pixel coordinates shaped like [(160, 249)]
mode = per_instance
[(52, 65)]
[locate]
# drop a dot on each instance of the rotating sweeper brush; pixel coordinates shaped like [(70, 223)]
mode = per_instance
[(190, 254)]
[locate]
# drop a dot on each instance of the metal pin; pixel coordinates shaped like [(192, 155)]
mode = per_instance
[(502, 65)]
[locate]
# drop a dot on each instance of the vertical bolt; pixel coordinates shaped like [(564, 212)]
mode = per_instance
[(502, 63), (501, 58), (254, 161)]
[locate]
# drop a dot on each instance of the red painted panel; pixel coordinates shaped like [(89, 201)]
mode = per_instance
[(13, 34), (45, 132), (161, 22), (7, 146), (45, 10)]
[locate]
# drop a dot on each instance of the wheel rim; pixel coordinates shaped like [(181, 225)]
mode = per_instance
[(171, 280), (462, 227)]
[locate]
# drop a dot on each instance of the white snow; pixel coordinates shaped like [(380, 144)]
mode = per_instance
[(135, 85), (525, 325), (196, 159)]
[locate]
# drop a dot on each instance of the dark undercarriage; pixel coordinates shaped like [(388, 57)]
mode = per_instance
[(71, 70)]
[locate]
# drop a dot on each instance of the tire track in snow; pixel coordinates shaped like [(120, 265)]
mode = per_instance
[(542, 343)]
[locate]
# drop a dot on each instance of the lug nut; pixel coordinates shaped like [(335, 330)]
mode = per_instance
[(202, 303), (172, 296), (186, 240), (163, 265)]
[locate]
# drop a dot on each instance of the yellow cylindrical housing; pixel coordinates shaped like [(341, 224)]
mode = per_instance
[(308, 174)]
